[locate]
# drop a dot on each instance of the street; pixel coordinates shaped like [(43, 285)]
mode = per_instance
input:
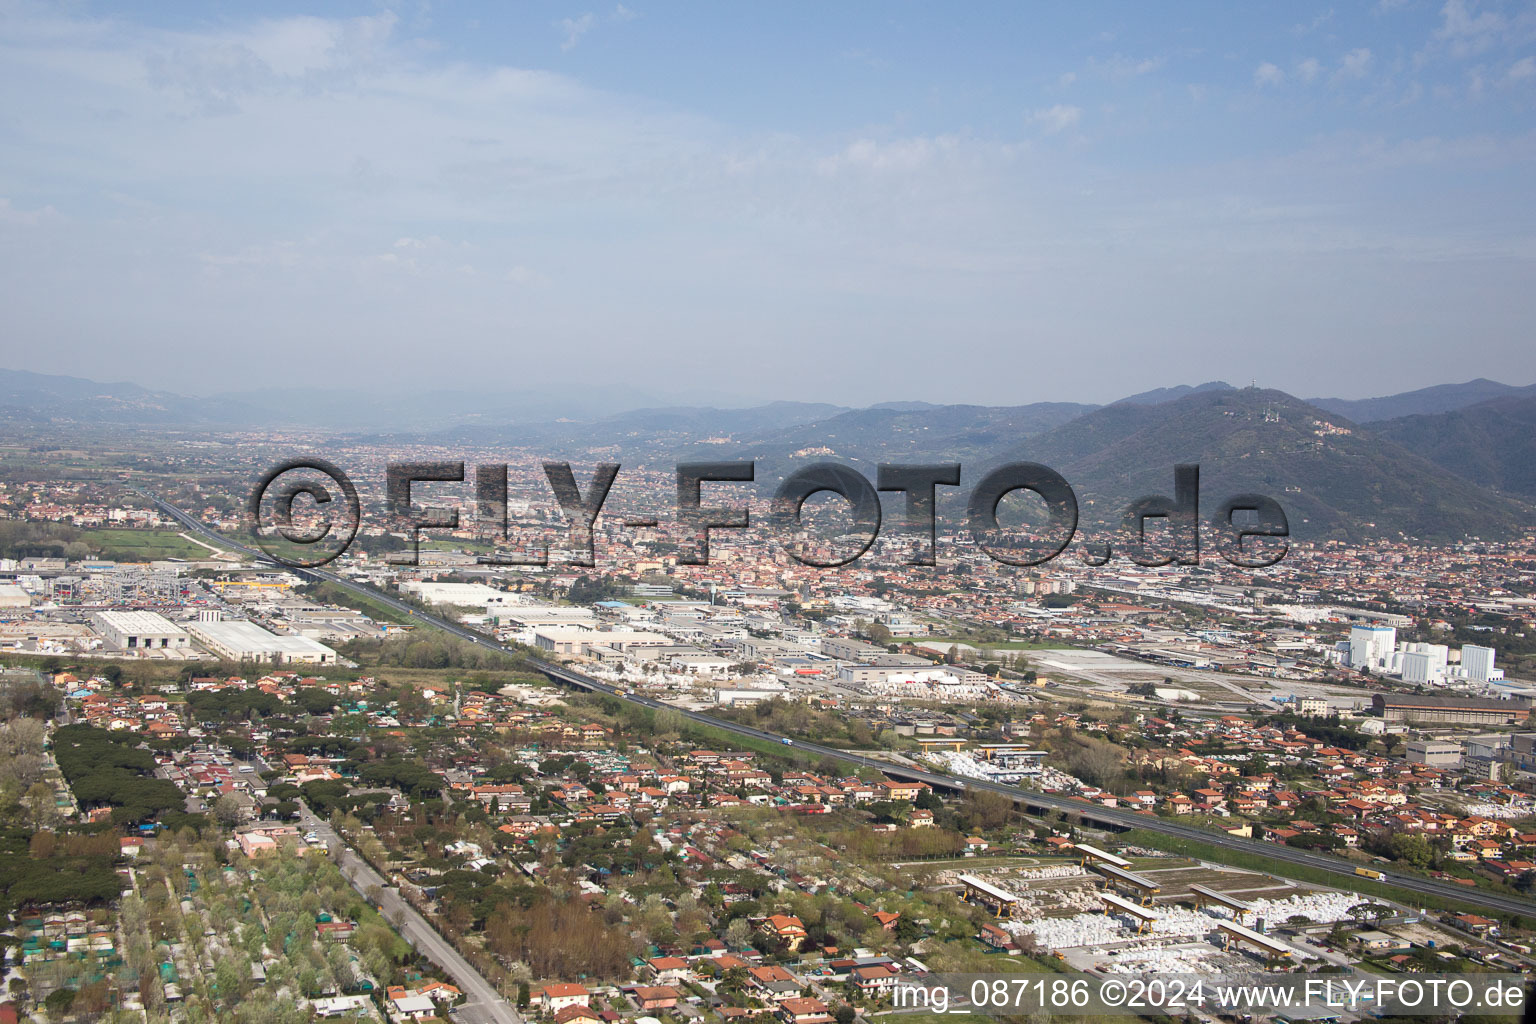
[(484, 1005)]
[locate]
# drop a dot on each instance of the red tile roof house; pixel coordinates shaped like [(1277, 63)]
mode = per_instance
[(787, 929), (774, 981), (875, 979), (655, 997), (995, 937), (334, 929), (667, 969), (577, 1015), (554, 998), (804, 1010)]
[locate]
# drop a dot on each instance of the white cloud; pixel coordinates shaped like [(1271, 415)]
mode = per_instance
[(1522, 69), (574, 28), (897, 155), (1316, 23), (1267, 74), (1309, 69), (1354, 65), (1467, 31), (1121, 66), (9, 214), (1058, 118)]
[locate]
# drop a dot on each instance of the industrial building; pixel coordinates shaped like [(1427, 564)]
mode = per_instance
[(1371, 646), (1424, 663), (1435, 753), (574, 640), (246, 641), (142, 631), (1477, 663), (468, 595), (1394, 707)]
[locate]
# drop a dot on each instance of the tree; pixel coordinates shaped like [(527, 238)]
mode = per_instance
[(40, 807), (1096, 762), (1413, 850), (230, 981), (227, 810), (738, 934), (983, 809)]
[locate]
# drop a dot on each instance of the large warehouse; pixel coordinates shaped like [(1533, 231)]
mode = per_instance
[(1394, 707), (142, 631), (246, 641), (469, 595)]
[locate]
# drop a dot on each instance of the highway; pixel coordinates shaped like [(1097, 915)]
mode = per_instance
[(1110, 816)]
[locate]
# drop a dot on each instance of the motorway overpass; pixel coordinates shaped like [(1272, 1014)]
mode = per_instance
[(1035, 803)]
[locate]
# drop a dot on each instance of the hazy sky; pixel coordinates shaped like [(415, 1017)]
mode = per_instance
[(994, 203)]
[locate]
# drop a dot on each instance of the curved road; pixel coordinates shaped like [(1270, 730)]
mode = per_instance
[(1112, 816)]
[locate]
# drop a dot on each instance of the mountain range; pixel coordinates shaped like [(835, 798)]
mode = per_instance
[(1450, 461)]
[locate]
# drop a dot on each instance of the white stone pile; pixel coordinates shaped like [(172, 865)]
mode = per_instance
[(1176, 921), (1501, 812), (1321, 907), (1072, 932), (1144, 960), (1053, 871)]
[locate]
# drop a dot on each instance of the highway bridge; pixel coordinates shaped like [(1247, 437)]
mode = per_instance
[(1035, 803)]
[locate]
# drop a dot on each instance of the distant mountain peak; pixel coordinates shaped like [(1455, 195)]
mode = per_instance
[(904, 406), (1424, 401), (1157, 396)]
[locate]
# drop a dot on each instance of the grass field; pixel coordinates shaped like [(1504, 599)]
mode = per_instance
[(142, 545)]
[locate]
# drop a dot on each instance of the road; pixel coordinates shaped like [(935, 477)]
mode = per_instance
[(1111, 816), (484, 1005)]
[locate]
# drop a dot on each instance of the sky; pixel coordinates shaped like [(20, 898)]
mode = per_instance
[(727, 203)]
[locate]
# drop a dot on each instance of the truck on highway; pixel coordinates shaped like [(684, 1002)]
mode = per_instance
[(787, 742), (1369, 873)]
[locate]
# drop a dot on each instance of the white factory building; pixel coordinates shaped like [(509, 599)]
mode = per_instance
[(468, 595), (246, 641), (1424, 663), (1372, 646), (1477, 663), (130, 631), (574, 640)]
